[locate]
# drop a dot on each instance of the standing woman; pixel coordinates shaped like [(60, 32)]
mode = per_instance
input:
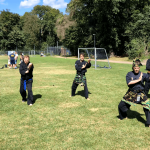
[(26, 70), (80, 78)]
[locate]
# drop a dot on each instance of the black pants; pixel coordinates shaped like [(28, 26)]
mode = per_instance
[(124, 107), (74, 87), (147, 87), (23, 91)]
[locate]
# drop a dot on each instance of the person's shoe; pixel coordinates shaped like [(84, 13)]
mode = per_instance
[(30, 104), (23, 101)]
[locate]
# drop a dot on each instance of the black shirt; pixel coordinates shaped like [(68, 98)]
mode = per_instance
[(23, 69), (133, 76), (79, 64)]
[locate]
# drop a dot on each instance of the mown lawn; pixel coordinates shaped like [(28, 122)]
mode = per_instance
[(57, 121)]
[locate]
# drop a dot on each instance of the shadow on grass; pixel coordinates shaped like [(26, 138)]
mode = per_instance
[(82, 93), (131, 114), (35, 97), (134, 114)]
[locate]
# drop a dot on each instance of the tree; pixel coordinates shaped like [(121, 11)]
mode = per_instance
[(109, 20), (7, 22), (139, 33), (47, 17), (31, 30), (15, 39)]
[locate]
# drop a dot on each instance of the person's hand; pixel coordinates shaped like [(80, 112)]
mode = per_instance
[(83, 66), (27, 71), (89, 60), (140, 78), (30, 64)]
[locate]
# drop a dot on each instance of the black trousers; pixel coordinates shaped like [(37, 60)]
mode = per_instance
[(23, 91), (74, 87), (147, 87), (124, 107)]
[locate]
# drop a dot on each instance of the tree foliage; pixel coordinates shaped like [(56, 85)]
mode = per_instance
[(34, 28), (121, 26), (114, 23)]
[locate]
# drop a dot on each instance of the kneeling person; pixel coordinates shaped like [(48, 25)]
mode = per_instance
[(80, 78), (26, 69), (135, 94)]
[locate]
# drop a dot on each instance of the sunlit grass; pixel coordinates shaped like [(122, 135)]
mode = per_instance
[(57, 121)]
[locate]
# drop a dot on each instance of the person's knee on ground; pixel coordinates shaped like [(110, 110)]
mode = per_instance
[(123, 108)]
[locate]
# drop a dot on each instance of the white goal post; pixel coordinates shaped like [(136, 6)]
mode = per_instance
[(32, 52), (98, 54)]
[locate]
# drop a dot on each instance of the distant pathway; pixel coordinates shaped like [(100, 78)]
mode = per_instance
[(111, 61)]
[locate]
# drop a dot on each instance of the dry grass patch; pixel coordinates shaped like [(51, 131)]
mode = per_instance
[(55, 72), (94, 109), (52, 67), (44, 87), (69, 105)]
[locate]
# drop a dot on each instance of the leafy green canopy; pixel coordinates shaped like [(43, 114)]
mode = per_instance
[(32, 29), (114, 23)]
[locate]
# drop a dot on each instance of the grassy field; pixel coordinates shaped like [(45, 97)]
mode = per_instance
[(57, 121)]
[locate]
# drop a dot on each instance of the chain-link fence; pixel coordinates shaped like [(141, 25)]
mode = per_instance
[(6, 52), (51, 51)]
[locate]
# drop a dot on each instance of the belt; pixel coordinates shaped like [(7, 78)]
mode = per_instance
[(24, 83), (137, 91)]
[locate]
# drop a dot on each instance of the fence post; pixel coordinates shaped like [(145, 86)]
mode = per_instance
[(95, 59), (78, 53)]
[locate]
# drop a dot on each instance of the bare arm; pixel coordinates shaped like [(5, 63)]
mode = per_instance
[(136, 81), (29, 67)]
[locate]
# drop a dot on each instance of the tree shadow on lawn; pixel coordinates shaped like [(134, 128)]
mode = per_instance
[(81, 93), (35, 97)]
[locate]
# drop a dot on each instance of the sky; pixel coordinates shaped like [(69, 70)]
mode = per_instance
[(22, 6)]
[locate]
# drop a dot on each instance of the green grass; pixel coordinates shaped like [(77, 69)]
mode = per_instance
[(57, 121)]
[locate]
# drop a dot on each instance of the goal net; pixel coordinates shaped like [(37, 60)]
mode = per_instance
[(32, 52), (98, 55)]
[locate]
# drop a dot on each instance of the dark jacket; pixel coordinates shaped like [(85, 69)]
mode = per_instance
[(79, 64), (23, 69)]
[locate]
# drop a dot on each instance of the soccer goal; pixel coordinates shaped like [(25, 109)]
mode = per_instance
[(32, 52), (98, 55)]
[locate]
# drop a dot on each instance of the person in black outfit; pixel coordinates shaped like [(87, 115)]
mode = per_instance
[(26, 69), (147, 84), (135, 94), (80, 78)]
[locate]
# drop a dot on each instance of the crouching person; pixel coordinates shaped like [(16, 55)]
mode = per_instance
[(135, 94), (26, 70)]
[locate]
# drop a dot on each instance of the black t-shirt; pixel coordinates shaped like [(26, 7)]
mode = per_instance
[(23, 69), (133, 76), (79, 64)]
